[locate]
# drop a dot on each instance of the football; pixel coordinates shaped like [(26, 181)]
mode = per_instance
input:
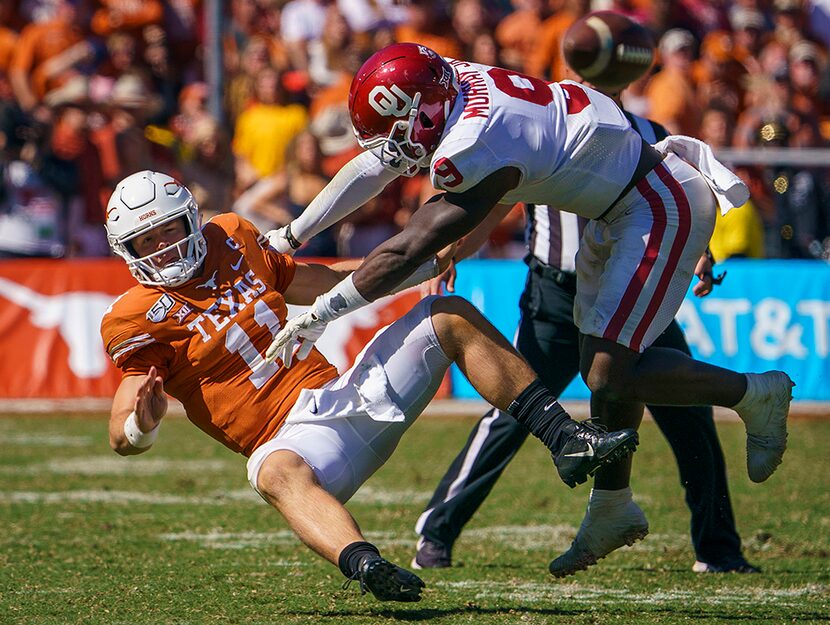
[(608, 49)]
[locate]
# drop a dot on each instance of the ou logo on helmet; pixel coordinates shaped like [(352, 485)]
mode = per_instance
[(390, 102)]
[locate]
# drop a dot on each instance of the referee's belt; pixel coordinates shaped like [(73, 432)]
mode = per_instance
[(566, 279)]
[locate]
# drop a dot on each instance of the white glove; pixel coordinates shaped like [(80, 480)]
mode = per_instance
[(297, 337), (279, 240)]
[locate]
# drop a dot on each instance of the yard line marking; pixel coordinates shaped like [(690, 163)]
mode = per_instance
[(550, 537), (546, 538), (543, 592), (232, 497), (45, 440), (114, 497), (217, 539), (381, 496), (115, 465)]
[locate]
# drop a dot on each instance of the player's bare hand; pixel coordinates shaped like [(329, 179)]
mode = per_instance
[(445, 283), (445, 257), (296, 339), (150, 401), (703, 271)]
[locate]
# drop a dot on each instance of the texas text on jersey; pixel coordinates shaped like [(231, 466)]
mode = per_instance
[(206, 338), (558, 135)]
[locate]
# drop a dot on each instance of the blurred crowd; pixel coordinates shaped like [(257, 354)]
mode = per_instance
[(93, 90)]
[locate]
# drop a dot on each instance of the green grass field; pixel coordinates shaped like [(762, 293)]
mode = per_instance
[(176, 537)]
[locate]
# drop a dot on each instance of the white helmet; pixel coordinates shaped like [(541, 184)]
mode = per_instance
[(146, 200)]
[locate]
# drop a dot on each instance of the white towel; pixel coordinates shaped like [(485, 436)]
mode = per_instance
[(730, 191)]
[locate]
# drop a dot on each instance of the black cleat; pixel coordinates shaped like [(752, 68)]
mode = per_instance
[(387, 581), (431, 555), (587, 447)]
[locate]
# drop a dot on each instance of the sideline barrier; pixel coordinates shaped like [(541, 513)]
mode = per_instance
[(50, 315), (767, 314)]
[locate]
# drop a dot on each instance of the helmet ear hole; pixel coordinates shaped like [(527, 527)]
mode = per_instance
[(426, 122)]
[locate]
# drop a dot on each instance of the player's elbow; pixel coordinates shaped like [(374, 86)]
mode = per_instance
[(125, 449), (120, 445)]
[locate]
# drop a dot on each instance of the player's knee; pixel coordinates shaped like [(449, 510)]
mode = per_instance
[(281, 472), (452, 316), (453, 305), (608, 384)]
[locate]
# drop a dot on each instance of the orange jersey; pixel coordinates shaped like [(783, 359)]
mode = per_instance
[(207, 338)]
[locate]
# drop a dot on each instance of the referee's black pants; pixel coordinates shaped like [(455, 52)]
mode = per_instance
[(549, 340)]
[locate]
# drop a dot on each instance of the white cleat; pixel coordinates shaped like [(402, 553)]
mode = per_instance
[(764, 410), (604, 529)]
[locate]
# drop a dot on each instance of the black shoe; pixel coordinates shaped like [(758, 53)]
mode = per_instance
[(387, 581), (430, 555), (729, 566), (587, 447)]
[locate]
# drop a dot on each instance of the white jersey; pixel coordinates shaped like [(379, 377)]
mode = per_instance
[(573, 146)]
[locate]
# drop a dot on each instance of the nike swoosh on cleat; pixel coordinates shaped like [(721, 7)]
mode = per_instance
[(577, 454), (550, 405), (235, 266)]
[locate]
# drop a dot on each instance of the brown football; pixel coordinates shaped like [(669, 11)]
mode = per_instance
[(608, 49)]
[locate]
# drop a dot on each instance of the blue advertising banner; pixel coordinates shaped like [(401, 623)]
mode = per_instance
[(767, 314)]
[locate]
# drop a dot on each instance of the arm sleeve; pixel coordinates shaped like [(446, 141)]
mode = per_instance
[(361, 179)]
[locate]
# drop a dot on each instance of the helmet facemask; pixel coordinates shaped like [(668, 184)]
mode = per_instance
[(399, 151)]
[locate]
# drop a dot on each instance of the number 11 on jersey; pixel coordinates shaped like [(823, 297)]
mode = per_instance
[(238, 342)]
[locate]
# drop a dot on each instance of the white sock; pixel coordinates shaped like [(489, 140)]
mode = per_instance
[(749, 395), (610, 497)]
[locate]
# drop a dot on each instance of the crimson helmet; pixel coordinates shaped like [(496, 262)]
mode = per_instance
[(399, 103)]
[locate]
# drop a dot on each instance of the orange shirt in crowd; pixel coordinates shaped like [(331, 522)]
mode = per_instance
[(547, 60), (7, 42), (518, 34), (442, 45), (118, 15), (673, 102), (335, 94), (39, 42), (206, 338)]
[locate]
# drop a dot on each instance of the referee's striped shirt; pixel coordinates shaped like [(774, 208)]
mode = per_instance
[(553, 236)]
